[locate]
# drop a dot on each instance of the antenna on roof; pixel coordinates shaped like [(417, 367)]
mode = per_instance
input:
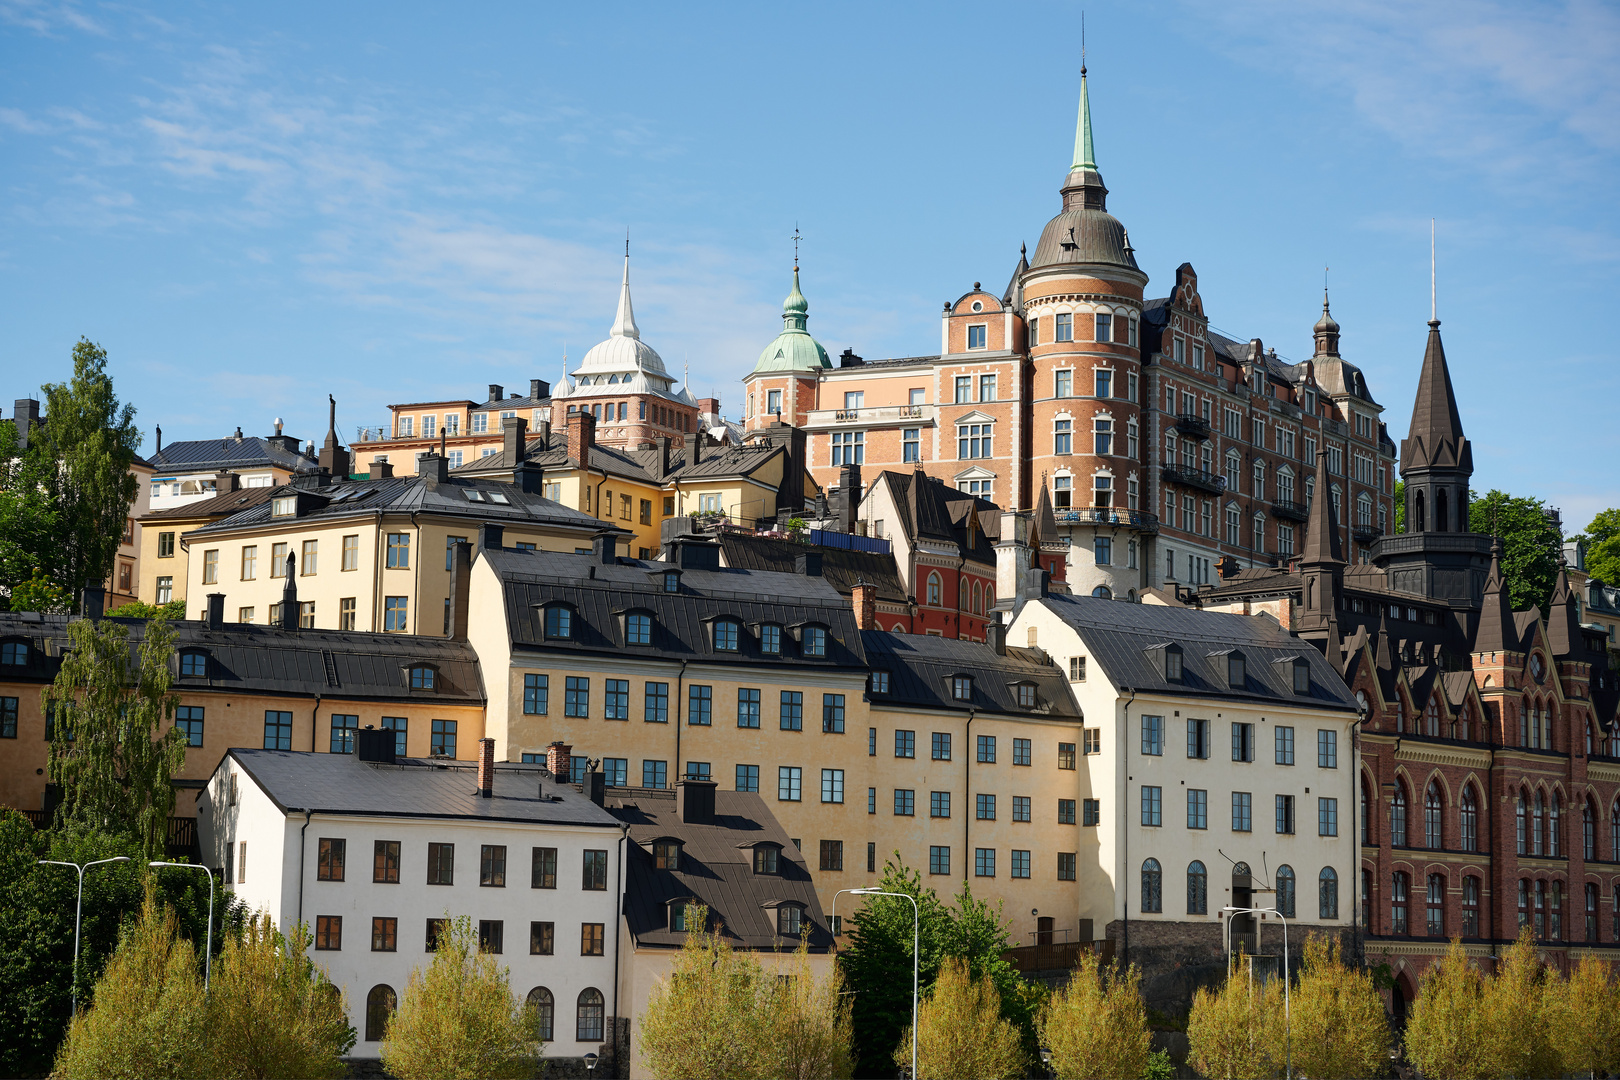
[(1433, 315), (1082, 41)]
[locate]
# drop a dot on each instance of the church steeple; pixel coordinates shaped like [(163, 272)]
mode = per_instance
[(1326, 331), (1321, 564), (624, 321), (1084, 187), (1436, 458), (1085, 154)]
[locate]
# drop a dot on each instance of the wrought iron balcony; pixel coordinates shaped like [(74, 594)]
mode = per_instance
[(1366, 534), (1287, 508), (1193, 426), (1202, 479), (1140, 520)]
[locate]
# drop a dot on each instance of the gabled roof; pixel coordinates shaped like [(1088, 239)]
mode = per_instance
[(716, 868), (843, 569), (920, 668), (300, 780), (928, 510)]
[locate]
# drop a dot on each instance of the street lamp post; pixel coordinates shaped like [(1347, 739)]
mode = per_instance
[(78, 911), (1288, 1020), (208, 954), (916, 938)]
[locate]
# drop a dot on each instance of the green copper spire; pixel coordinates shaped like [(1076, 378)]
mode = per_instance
[(1085, 156), (795, 307)]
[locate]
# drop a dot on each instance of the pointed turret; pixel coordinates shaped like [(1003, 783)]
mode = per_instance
[(1322, 544), (1383, 651), (1085, 154), (1321, 564), (1496, 632), (1326, 331), (1564, 618), (1436, 437), (1084, 186), (1084, 233), (1014, 296), (793, 349), (624, 322), (334, 458)]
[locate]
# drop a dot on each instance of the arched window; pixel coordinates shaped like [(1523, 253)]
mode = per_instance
[(1440, 514), (380, 1005), (1366, 817), (1521, 823), (1524, 721), (1398, 900), (1591, 911), (989, 597), (1152, 890), (1197, 889), (589, 1016), (545, 1013), (1614, 844), (1432, 811), (1468, 820), (1538, 826), (1555, 825), (1397, 815), (1541, 910), (1327, 901), (962, 595), (1285, 890), (1524, 903), (1462, 725), (1555, 911), (1101, 592), (1431, 717), (978, 599), (935, 589), (1418, 515), (1435, 920)]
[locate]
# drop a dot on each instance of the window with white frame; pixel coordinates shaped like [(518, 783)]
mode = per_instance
[(1234, 525), (1102, 436), (1063, 492), (1131, 439), (849, 448), (1105, 326), (1259, 488), (987, 388), (974, 441), (854, 399), (1063, 436), (1234, 466), (911, 444), (1105, 383), (1258, 524), (1102, 488), (1063, 384), (976, 336), (1063, 327), (1285, 539)]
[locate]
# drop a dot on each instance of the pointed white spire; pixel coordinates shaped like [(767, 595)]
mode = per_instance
[(624, 323)]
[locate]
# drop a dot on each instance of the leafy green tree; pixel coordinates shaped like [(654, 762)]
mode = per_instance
[(1096, 1025), (1514, 1012), (1584, 1019), (1602, 538), (1339, 1028), (459, 1018), (1229, 1030), (30, 520), (40, 593), (1400, 506), (1446, 1035), (271, 1011), (1531, 545), (961, 1034), (809, 1030), (115, 750), (149, 1017), (139, 609)]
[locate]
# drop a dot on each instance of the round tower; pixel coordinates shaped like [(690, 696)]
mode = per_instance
[(782, 385)]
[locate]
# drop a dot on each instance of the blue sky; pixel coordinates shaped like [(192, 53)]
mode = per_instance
[(251, 206)]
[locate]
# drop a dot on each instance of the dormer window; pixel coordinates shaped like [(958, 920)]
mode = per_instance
[(880, 682), (638, 629), (815, 641), (672, 581), (193, 665), (14, 654), (962, 687), (422, 678), (726, 633), (286, 506), (1172, 663), (559, 623), (682, 915), (790, 919), (1026, 695), (770, 639), (1302, 679), (667, 854), (1236, 671), (766, 857)]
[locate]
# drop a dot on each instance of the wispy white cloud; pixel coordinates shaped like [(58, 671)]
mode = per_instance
[(49, 19)]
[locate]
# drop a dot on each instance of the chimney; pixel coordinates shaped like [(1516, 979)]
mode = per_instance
[(460, 586), (435, 467), (490, 535), (663, 456), (157, 431), (486, 768), (381, 469), (334, 458), (495, 391), (849, 491), (1013, 557), (605, 547), (581, 437), (542, 433), (216, 611), (694, 448), (94, 603), (709, 406), (237, 435), (515, 433), (557, 763), (790, 495), (694, 801), (226, 481), (27, 418), (289, 595), (539, 389), (864, 597), (596, 786), (807, 564), (374, 744), (995, 636)]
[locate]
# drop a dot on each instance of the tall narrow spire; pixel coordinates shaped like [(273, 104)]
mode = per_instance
[(1434, 309), (1495, 631), (624, 323), (1435, 439), (1085, 153), (1322, 544)]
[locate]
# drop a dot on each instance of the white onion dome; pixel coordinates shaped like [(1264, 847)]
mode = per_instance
[(623, 351)]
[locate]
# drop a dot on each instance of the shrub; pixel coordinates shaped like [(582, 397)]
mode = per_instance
[(459, 1018), (1339, 1029), (1096, 1026), (960, 1032), (1227, 1032), (1446, 1035)]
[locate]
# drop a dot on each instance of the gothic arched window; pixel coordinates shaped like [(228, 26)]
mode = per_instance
[(1468, 819), (1432, 811)]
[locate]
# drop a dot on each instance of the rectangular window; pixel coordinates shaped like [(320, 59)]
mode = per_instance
[(210, 567), (616, 699), (165, 590), (832, 855), (250, 562), (1020, 864), (542, 938), (1023, 752), (1093, 740), (1065, 755), (277, 730), (987, 387), (577, 696), (328, 932), (1065, 866), (984, 807), (591, 938), (987, 749), (1092, 812), (975, 336), (1105, 383), (1242, 811), (188, 718), (395, 614), (975, 441), (399, 551), (330, 859), (832, 713), (1153, 735), (1198, 738), (748, 778), (964, 389), (1021, 808), (905, 802), (871, 800), (384, 935), (1327, 817), (1242, 742), (942, 745), (1283, 737), (543, 868), (1327, 749), (615, 771), (1065, 813), (536, 694), (441, 864), (165, 545), (791, 717), (346, 613), (442, 739), (593, 875), (1197, 808), (1285, 814), (700, 706), (832, 785), (789, 783), (1105, 326), (748, 708), (905, 744), (939, 804), (343, 728), (939, 860), (1152, 805), (984, 862), (492, 866), (655, 703), (1063, 327), (911, 444), (1063, 384), (654, 774), (307, 558)]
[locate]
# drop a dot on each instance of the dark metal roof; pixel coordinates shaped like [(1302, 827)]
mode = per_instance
[(250, 451), (300, 780), (597, 592), (716, 868), (842, 568), (713, 462), (222, 505), (1127, 642), (920, 668)]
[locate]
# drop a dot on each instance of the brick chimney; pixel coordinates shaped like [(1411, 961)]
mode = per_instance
[(864, 598), (557, 764), (581, 436), (225, 481), (486, 768), (709, 406), (694, 448)]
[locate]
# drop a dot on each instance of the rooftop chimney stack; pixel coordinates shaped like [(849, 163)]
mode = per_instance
[(216, 611), (849, 494), (289, 595), (807, 564), (694, 801), (486, 768), (864, 597), (490, 536), (334, 458), (557, 763), (157, 431), (460, 588), (694, 448), (381, 469), (581, 436), (515, 439), (495, 391), (605, 548), (539, 389), (995, 636), (27, 419), (94, 603)]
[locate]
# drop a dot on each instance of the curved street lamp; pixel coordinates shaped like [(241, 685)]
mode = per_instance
[(78, 910), (1288, 1021), (916, 935), (208, 955)]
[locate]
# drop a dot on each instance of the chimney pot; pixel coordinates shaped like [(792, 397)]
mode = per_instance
[(581, 436), (515, 439), (381, 470), (486, 768)]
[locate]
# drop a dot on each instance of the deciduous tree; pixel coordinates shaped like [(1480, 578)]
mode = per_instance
[(1514, 1014), (961, 1034), (1602, 538), (1096, 1025), (1227, 1031), (1531, 545), (1339, 1028), (1584, 1019), (705, 1019), (459, 1018), (809, 1035), (1446, 1033)]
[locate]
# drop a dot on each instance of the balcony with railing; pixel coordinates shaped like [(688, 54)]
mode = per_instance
[(1140, 520), (1292, 511), (877, 416), (1366, 533), (1191, 476), (1193, 426)]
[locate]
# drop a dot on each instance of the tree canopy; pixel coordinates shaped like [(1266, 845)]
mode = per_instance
[(1602, 538), (1531, 544)]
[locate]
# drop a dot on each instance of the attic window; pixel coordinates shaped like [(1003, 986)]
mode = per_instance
[(1172, 663), (672, 581), (667, 854), (726, 633), (1302, 677), (473, 494), (559, 622), (498, 497), (962, 687), (422, 678), (14, 654), (814, 641), (638, 629), (790, 919), (1026, 695), (1236, 671), (286, 506), (193, 665), (770, 639), (880, 682), (765, 858), (681, 914)]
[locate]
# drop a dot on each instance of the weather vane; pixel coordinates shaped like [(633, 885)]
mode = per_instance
[(797, 235)]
